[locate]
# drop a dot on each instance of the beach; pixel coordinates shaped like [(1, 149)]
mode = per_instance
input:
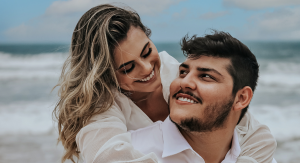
[(28, 74)]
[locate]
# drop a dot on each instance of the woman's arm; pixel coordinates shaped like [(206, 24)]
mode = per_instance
[(257, 143), (106, 140)]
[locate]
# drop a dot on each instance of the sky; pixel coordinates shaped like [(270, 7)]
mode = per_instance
[(50, 21)]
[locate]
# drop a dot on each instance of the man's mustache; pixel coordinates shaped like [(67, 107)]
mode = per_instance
[(188, 93)]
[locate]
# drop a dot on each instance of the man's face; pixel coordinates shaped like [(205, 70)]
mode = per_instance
[(201, 97)]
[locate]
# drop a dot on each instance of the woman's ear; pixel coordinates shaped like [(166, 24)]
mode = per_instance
[(243, 98)]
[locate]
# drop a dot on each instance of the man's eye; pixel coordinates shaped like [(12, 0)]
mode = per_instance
[(206, 76), (183, 72)]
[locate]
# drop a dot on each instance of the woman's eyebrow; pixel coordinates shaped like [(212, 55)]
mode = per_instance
[(144, 48), (124, 64)]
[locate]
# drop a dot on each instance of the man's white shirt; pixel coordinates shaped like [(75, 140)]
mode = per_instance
[(165, 140)]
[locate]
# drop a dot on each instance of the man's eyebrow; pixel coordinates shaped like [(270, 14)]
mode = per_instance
[(208, 69), (184, 65), (124, 64), (144, 48)]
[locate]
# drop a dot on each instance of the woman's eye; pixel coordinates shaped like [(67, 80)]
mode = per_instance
[(128, 69), (149, 52)]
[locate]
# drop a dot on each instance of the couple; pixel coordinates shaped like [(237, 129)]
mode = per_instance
[(115, 81)]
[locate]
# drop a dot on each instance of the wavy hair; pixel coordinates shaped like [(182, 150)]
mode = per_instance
[(88, 75)]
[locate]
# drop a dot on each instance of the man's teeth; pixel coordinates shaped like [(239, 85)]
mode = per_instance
[(149, 77), (186, 100)]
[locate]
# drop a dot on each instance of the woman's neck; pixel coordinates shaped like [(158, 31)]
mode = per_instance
[(138, 97), (152, 104)]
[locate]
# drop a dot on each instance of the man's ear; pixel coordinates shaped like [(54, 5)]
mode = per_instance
[(243, 98)]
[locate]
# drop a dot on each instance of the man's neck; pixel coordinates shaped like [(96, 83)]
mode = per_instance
[(211, 146)]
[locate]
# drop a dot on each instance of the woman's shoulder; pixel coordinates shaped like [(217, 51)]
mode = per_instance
[(166, 58), (123, 110), (169, 70)]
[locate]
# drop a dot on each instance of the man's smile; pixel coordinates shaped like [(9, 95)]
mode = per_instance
[(186, 98)]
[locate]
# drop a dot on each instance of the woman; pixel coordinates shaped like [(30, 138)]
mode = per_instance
[(111, 53)]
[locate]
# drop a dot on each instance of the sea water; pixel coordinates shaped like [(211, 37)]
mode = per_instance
[(28, 73)]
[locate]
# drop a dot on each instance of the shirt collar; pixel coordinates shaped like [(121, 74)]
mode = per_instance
[(174, 142), (235, 145)]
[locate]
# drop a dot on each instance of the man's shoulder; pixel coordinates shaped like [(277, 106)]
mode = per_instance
[(154, 128), (147, 138)]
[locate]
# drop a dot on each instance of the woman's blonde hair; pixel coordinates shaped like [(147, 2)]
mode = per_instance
[(88, 75)]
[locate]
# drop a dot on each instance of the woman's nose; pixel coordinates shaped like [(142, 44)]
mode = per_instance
[(146, 67), (188, 82)]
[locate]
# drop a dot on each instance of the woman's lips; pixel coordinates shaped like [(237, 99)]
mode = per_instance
[(152, 78)]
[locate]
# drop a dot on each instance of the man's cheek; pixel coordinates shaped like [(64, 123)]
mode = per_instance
[(178, 114), (175, 86), (174, 115)]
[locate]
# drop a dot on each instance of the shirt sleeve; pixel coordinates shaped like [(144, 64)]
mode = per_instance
[(257, 143), (106, 140)]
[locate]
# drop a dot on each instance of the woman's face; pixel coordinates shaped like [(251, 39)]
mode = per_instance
[(137, 63)]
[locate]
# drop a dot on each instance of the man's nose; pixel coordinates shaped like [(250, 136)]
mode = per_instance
[(188, 82)]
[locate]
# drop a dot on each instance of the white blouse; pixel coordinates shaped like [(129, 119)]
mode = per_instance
[(106, 139)]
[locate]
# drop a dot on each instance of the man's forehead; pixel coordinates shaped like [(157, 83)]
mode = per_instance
[(208, 60), (217, 63)]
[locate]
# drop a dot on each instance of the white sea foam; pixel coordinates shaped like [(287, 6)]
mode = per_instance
[(283, 66), (41, 66), (26, 118), (280, 79), (282, 121), (280, 74)]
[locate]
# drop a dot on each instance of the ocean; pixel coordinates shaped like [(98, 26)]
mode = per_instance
[(29, 72)]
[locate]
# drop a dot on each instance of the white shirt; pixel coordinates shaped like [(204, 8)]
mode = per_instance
[(106, 138), (168, 144)]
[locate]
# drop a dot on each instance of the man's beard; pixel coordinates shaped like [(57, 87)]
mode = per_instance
[(215, 116)]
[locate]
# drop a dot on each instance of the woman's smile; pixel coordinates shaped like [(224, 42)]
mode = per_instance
[(148, 78)]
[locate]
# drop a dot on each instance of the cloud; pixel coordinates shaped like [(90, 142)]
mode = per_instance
[(281, 24), (147, 7), (259, 4), (60, 18), (181, 14), (43, 29), (213, 15)]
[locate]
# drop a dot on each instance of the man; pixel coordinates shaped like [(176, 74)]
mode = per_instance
[(207, 101)]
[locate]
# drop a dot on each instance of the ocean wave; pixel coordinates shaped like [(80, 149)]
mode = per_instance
[(43, 60), (283, 74), (283, 66), (26, 118), (40, 66), (282, 121), (49, 65), (280, 80)]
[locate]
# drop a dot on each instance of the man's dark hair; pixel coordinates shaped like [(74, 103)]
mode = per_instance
[(244, 67)]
